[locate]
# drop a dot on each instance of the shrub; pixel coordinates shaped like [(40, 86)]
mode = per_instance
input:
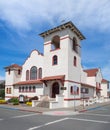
[(29, 103), (3, 102), (2, 93), (15, 101)]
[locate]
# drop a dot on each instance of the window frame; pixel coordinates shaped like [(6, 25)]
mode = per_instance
[(55, 60), (33, 73), (75, 61), (74, 45), (55, 42), (40, 73), (27, 75)]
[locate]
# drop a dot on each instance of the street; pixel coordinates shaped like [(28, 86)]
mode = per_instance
[(96, 119)]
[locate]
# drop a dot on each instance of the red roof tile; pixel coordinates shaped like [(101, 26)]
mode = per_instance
[(104, 81), (91, 72), (14, 66), (60, 77), (29, 82)]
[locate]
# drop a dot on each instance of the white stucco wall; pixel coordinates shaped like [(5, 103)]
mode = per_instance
[(83, 76), (91, 81), (104, 90), (35, 59), (62, 67), (13, 77), (38, 91)]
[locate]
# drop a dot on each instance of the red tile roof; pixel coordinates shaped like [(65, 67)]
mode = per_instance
[(14, 66), (29, 82), (91, 72), (60, 77), (104, 81)]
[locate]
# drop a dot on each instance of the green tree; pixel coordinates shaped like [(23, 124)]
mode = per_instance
[(2, 94)]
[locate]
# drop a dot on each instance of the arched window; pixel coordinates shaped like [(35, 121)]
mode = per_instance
[(19, 72), (55, 43), (40, 73), (23, 89), (27, 74), (19, 89), (55, 60), (29, 88), (74, 90), (75, 61), (33, 73), (26, 89), (7, 90), (75, 45), (71, 90), (34, 89)]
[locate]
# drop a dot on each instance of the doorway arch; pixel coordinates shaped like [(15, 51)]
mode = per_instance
[(55, 89)]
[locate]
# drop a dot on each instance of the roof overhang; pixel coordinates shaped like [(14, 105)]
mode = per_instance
[(50, 78), (13, 66), (29, 82), (69, 25), (87, 85)]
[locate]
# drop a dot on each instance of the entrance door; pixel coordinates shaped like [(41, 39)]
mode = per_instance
[(55, 89)]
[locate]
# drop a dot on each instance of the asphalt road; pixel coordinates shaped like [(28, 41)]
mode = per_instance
[(96, 119)]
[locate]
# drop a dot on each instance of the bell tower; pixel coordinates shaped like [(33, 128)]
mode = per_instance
[(62, 62), (62, 51)]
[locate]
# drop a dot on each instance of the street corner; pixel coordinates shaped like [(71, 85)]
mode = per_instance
[(61, 113)]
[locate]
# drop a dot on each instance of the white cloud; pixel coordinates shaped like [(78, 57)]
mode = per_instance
[(22, 14)]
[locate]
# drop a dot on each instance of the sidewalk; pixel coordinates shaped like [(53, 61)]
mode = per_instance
[(58, 111)]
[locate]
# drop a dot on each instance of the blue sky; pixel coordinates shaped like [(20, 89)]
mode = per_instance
[(22, 20)]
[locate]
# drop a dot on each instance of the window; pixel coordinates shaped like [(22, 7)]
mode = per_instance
[(26, 89), (29, 88), (40, 73), (75, 61), (75, 45), (55, 60), (34, 89), (27, 74), (23, 89), (99, 86), (71, 90), (9, 71), (19, 89), (55, 43), (7, 90), (85, 90), (19, 72), (33, 73), (74, 90)]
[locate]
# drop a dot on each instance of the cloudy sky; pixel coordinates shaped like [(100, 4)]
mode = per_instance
[(22, 20)]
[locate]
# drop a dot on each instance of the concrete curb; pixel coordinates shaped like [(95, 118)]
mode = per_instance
[(30, 111), (20, 109), (93, 108), (43, 111)]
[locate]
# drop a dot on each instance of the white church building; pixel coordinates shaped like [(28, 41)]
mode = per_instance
[(56, 76)]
